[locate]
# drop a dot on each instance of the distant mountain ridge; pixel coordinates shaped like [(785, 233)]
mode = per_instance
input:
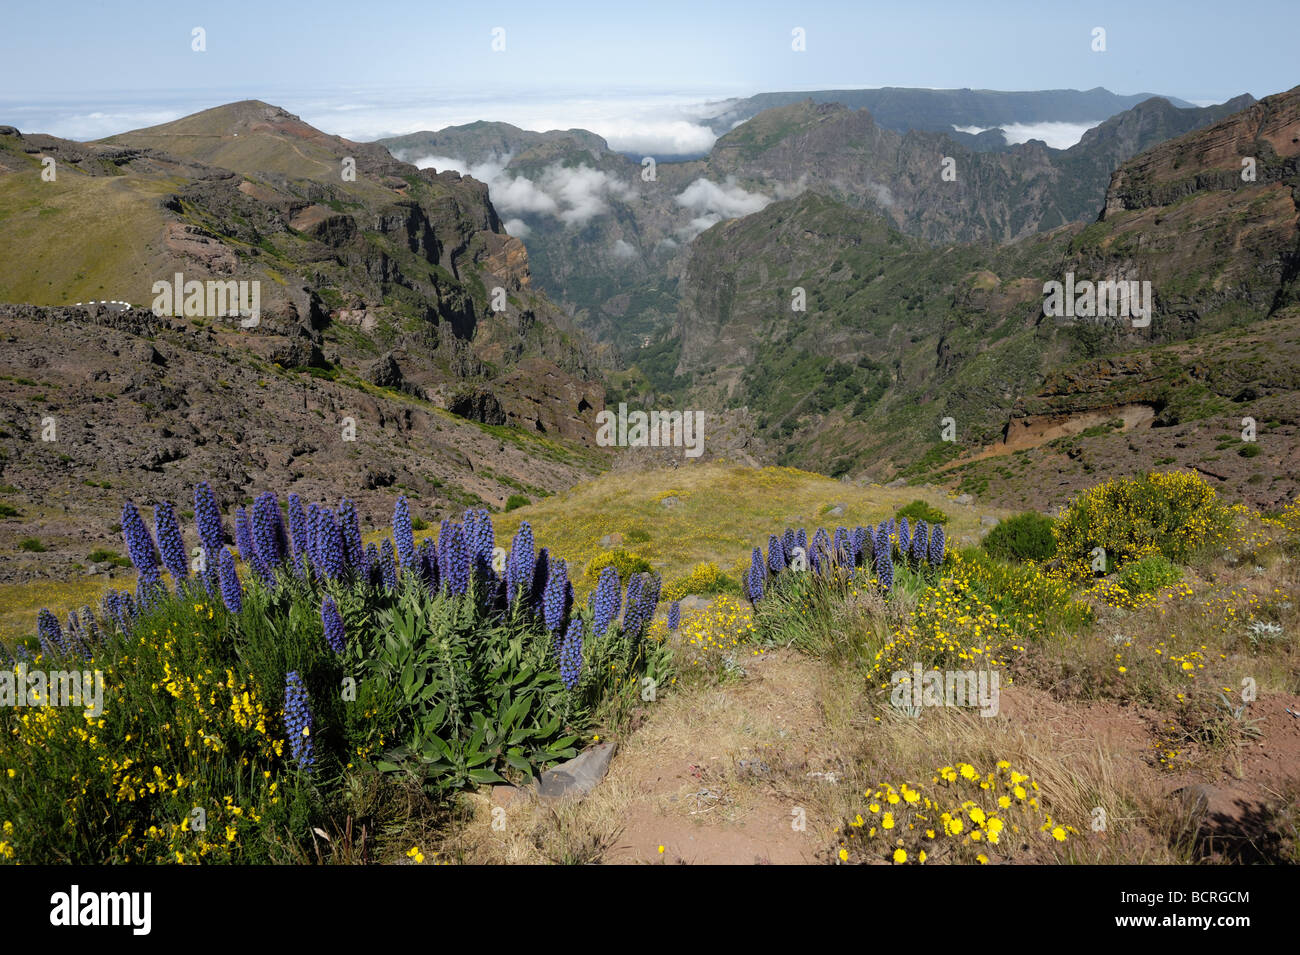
[(904, 108), (619, 270)]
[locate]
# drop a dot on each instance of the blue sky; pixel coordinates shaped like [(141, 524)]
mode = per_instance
[(90, 68)]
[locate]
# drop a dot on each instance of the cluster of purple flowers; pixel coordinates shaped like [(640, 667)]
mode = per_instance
[(81, 632), (319, 542), (556, 595), (50, 634), (936, 546), (520, 564), (208, 518), (140, 546), (571, 654), (453, 558), (606, 601), (170, 544), (756, 576), (920, 543), (402, 533), (117, 607), (298, 721), (776, 554), (642, 600), (917, 543), (388, 565), (232, 592), (333, 623)]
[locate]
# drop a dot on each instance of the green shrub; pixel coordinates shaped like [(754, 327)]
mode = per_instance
[(625, 562), (1249, 451), (637, 535), (419, 523), (8, 510), (920, 510), (31, 545), (1149, 574), (516, 500), (1026, 536), (101, 555)]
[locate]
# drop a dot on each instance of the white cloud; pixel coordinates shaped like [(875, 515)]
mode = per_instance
[(640, 122), (881, 194), (697, 225), (728, 200), (574, 195), (582, 190), (667, 124), (624, 250), (716, 202), (518, 228), (441, 164), (790, 190), (1056, 135), (656, 137)]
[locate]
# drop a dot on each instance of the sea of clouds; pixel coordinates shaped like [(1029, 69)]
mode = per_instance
[(574, 195), (1056, 135), (662, 124)]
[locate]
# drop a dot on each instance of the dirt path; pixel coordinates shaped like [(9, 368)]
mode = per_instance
[(1036, 431), (703, 776)]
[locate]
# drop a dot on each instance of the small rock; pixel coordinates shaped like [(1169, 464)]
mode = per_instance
[(670, 502), (694, 602), (836, 511), (965, 499), (897, 482), (577, 777), (611, 540), (988, 521), (146, 354), (504, 795), (753, 767)]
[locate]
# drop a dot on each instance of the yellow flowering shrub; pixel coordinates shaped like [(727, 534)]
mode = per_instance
[(1288, 521), (1173, 513), (178, 767), (715, 639), (951, 627), (704, 579), (624, 561)]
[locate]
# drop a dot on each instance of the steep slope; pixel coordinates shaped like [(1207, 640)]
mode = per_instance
[(997, 196), (611, 244), (388, 260), (898, 335), (600, 237), (97, 406), (378, 311)]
